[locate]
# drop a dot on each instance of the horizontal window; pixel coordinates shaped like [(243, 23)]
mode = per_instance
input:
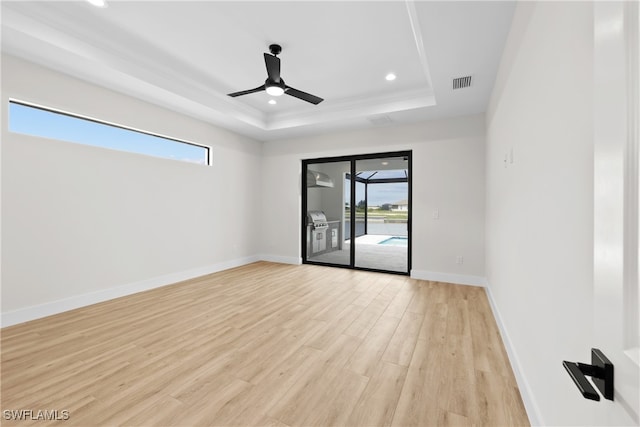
[(37, 121)]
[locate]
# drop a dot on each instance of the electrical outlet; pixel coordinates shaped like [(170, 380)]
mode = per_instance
[(459, 259), (435, 214)]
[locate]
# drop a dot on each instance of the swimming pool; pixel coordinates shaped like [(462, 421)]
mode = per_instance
[(395, 241)]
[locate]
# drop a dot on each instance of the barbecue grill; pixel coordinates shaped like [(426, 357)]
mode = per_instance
[(317, 221)]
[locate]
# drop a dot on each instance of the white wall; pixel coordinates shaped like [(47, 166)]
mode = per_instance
[(448, 175), (79, 221), (540, 207)]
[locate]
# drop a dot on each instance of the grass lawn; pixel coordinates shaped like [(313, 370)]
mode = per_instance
[(378, 213)]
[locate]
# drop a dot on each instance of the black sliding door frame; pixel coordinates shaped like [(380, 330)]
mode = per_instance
[(353, 178)]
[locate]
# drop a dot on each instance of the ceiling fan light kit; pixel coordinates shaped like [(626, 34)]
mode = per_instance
[(274, 85), (274, 90)]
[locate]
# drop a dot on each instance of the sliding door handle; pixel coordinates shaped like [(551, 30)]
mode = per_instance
[(600, 371), (578, 377)]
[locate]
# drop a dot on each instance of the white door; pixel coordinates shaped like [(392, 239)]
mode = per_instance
[(616, 179)]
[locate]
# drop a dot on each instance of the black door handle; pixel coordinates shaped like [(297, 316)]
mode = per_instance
[(600, 371)]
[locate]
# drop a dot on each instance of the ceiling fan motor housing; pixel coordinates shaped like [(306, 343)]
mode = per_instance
[(280, 83)]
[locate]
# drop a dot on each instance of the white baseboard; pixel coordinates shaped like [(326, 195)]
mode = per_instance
[(533, 412), (281, 259), (47, 309), (458, 279)]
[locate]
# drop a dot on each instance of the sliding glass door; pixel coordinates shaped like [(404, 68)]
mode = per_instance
[(357, 212), (325, 213), (383, 209)]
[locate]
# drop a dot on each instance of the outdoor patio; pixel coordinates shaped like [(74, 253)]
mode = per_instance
[(370, 254)]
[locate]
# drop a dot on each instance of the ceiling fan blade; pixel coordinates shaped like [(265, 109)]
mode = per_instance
[(303, 95), (273, 67), (246, 92)]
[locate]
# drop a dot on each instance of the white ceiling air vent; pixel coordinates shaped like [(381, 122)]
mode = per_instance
[(379, 120), (461, 82)]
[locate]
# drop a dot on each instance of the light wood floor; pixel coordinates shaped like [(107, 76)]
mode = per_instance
[(269, 344)]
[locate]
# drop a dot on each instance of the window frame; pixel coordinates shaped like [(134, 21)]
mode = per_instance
[(209, 157)]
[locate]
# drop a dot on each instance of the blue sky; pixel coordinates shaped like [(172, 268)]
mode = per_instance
[(380, 194), (388, 193), (47, 124)]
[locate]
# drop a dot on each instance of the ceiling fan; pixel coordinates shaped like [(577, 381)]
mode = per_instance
[(274, 85)]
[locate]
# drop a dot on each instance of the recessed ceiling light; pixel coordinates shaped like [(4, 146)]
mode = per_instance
[(98, 3), (385, 163), (390, 77), (272, 101)]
